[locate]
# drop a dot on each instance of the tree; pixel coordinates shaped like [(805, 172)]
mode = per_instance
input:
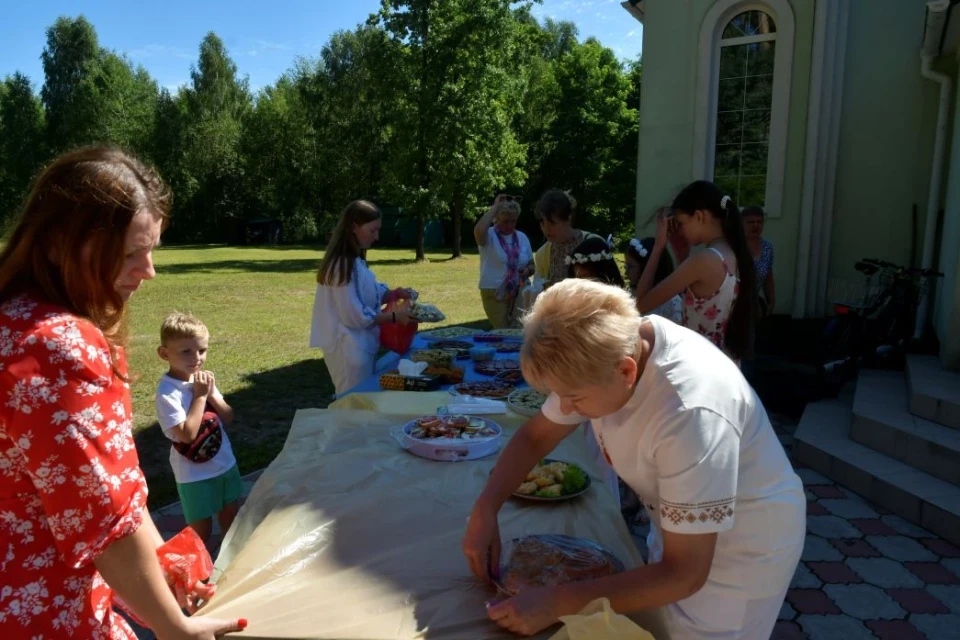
[(21, 141), (69, 58), (278, 147), (355, 124), (446, 68), (123, 101), (210, 176), (592, 141)]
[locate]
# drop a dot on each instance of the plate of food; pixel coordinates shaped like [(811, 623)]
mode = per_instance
[(449, 438), (435, 356), (461, 347), (448, 333), (493, 389), (493, 367), (526, 402), (552, 481), (550, 560), (508, 347), (511, 376), (510, 334), (422, 312), (488, 337)]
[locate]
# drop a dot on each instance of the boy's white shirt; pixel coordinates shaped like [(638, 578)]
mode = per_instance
[(172, 402)]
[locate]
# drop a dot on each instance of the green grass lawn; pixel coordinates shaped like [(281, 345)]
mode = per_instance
[(257, 303)]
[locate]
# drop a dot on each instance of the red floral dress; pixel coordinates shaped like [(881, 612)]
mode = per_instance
[(70, 479), (709, 316)]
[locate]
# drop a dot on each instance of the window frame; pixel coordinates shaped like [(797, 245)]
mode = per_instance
[(708, 86)]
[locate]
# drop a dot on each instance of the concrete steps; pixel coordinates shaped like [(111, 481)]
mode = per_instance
[(882, 421), (934, 393), (823, 443)]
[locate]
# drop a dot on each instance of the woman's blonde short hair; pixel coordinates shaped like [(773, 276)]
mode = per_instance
[(510, 207), (578, 330)]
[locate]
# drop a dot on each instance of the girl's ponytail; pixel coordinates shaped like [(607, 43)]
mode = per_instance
[(740, 330)]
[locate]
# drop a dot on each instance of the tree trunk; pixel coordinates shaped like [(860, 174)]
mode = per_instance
[(421, 254), (457, 222)]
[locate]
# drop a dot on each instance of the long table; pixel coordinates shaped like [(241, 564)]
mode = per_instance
[(347, 536), (389, 362)]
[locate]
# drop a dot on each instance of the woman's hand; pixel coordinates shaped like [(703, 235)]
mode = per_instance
[(195, 597), (481, 543), (204, 629), (527, 613), (663, 229)]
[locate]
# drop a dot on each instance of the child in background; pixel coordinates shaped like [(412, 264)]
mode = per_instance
[(636, 256), (592, 259), (192, 413)]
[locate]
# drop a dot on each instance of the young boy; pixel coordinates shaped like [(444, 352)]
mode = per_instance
[(192, 413)]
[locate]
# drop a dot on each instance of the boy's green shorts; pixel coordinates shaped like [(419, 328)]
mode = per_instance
[(205, 498)]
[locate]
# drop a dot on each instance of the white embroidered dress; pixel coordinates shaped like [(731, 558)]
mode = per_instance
[(696, 443), (344, 326)]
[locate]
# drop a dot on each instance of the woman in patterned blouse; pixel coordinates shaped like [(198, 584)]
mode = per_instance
[(75, 533), (762, 252), (555, 211)]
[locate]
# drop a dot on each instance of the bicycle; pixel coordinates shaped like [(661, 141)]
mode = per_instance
[(875, 328)]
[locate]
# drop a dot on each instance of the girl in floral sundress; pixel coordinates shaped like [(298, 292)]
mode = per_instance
[(718, 284)]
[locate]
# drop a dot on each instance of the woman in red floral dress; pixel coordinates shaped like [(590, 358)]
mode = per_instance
[(718, 284), (74, 528)]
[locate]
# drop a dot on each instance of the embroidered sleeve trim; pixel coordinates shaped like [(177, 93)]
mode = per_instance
[(717, 511)]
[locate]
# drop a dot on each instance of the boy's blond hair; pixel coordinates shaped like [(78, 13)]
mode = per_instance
[(182, 325), (577, 332)]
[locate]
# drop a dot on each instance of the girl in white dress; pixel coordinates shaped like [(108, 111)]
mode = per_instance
[(347, 308), (682, 427), (718, 284)]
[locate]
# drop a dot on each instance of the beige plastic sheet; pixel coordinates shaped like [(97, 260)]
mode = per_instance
[(347, 536)]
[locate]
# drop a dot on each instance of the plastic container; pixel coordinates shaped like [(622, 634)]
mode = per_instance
[(448, 450), (482, 354), (550, 560)]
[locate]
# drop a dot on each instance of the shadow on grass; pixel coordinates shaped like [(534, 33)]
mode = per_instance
[(251, 266), (300, 265), (264, 411)]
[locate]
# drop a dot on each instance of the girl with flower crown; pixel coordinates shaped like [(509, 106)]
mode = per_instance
[(718, 284), (592, 259)]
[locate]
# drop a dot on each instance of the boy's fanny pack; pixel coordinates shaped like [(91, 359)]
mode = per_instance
[(208, 441)]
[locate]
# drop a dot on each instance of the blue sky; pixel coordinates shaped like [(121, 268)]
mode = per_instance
[(263, 37)]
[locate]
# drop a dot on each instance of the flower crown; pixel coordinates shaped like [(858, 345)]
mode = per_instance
[(580, 258), (639, 248)]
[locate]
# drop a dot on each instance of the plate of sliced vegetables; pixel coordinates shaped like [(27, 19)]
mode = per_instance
[(554, 480)]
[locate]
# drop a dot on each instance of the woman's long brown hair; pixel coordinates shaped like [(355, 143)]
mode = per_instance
[(67, 246), (336, 269)]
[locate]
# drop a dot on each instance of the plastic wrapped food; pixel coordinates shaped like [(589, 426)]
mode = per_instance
[(550, 560)]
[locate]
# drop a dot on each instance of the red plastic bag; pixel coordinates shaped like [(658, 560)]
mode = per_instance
[(393, 335), (185, 561)]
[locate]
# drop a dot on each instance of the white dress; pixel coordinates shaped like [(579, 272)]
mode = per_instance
[(344, 326), (696, 443)]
